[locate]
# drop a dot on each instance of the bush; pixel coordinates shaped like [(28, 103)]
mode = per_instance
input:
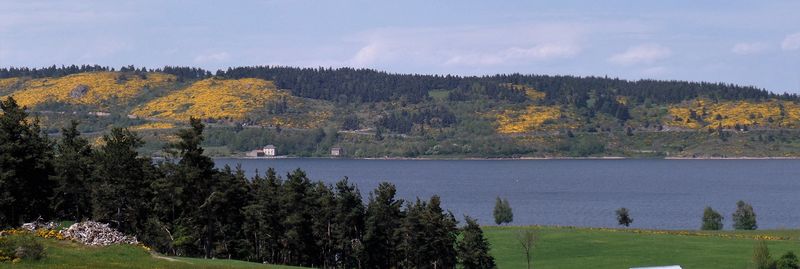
[(744, 218), (787, 261), (712, 220), (24, 247)]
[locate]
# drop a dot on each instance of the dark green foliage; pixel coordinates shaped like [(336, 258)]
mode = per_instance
[(185, 207), (73, 165), (383, 218), (623, 217), (502, 211), (263, 219), (351, 122), (744, 218), (473, 248), (349, 225), (121, 194), (787, 261), (25, 167), (712, 220), (428, 236)]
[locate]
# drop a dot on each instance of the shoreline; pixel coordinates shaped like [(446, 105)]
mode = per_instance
[(505, 158)]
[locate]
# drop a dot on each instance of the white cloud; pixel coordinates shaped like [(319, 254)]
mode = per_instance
[(791, 42), (468, 46), (212, 57), (515, 54), (749, 48), (643, 54)]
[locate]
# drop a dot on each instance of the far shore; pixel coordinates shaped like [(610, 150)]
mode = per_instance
[(507, 158)]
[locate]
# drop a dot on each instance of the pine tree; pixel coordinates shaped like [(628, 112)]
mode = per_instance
[(473, 248), (381, 235), (349, 227), (73, 166), (502, 211), (25, 167), (121, 192)]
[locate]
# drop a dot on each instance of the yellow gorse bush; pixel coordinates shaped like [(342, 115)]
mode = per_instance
[(212, 99), (531, 118), (6, 83), (153, 126), (102, 88), (772, 113)]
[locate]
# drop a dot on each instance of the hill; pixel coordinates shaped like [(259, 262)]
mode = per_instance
[(305, 111)]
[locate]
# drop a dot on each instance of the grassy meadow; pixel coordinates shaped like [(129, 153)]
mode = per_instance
[(556, 247), (566, 248)]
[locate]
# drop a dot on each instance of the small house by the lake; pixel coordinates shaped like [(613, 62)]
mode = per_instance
[(266, 151), (337, 152), (269, 150)]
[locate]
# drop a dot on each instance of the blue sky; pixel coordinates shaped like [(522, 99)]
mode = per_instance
[(743, 42)]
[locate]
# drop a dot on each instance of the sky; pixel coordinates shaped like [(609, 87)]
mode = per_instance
[(742, 42)]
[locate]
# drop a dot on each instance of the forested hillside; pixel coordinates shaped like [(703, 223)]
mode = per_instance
[(306, 111)]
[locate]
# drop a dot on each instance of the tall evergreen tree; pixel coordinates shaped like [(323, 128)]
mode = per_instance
[(297, 200), (381, 233), (73, 165), (428, 236), (263, 219), (25, 167), (473, 248), (121, 192), (349, 227)]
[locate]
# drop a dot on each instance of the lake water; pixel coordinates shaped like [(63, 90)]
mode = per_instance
[(664, 194)]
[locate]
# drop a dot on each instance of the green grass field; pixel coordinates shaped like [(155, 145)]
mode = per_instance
[(561, 248), (566, 248), (66, 254)]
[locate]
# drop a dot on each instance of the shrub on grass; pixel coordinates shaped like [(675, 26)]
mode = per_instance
[(24, 247), (744, 218), (712, 220), (787, 261)]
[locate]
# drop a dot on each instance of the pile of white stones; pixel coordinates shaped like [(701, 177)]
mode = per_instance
[(96, 234)]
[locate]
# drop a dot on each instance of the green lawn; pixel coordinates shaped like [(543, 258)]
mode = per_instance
[(566, 248), (561, 248), (65, 254)]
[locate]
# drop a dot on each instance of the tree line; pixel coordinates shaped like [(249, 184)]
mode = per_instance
[(367, 85), (185, 206)]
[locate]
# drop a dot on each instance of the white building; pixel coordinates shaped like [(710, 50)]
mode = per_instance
[(269, 150), (266, 151), (336, 152)]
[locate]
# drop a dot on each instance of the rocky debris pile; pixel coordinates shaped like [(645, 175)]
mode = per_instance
[(96, 234), (79, 91), (39, 224)]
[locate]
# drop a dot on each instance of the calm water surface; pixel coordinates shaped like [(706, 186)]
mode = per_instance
[(665, 194)]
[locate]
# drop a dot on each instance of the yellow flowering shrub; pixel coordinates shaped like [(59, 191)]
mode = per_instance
[(212, 98), (101, 88), (153, 126), (772, 113), (531, 118), (6, 83)]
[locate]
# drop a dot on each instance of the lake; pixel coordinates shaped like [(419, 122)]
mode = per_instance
[(662, 194)]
